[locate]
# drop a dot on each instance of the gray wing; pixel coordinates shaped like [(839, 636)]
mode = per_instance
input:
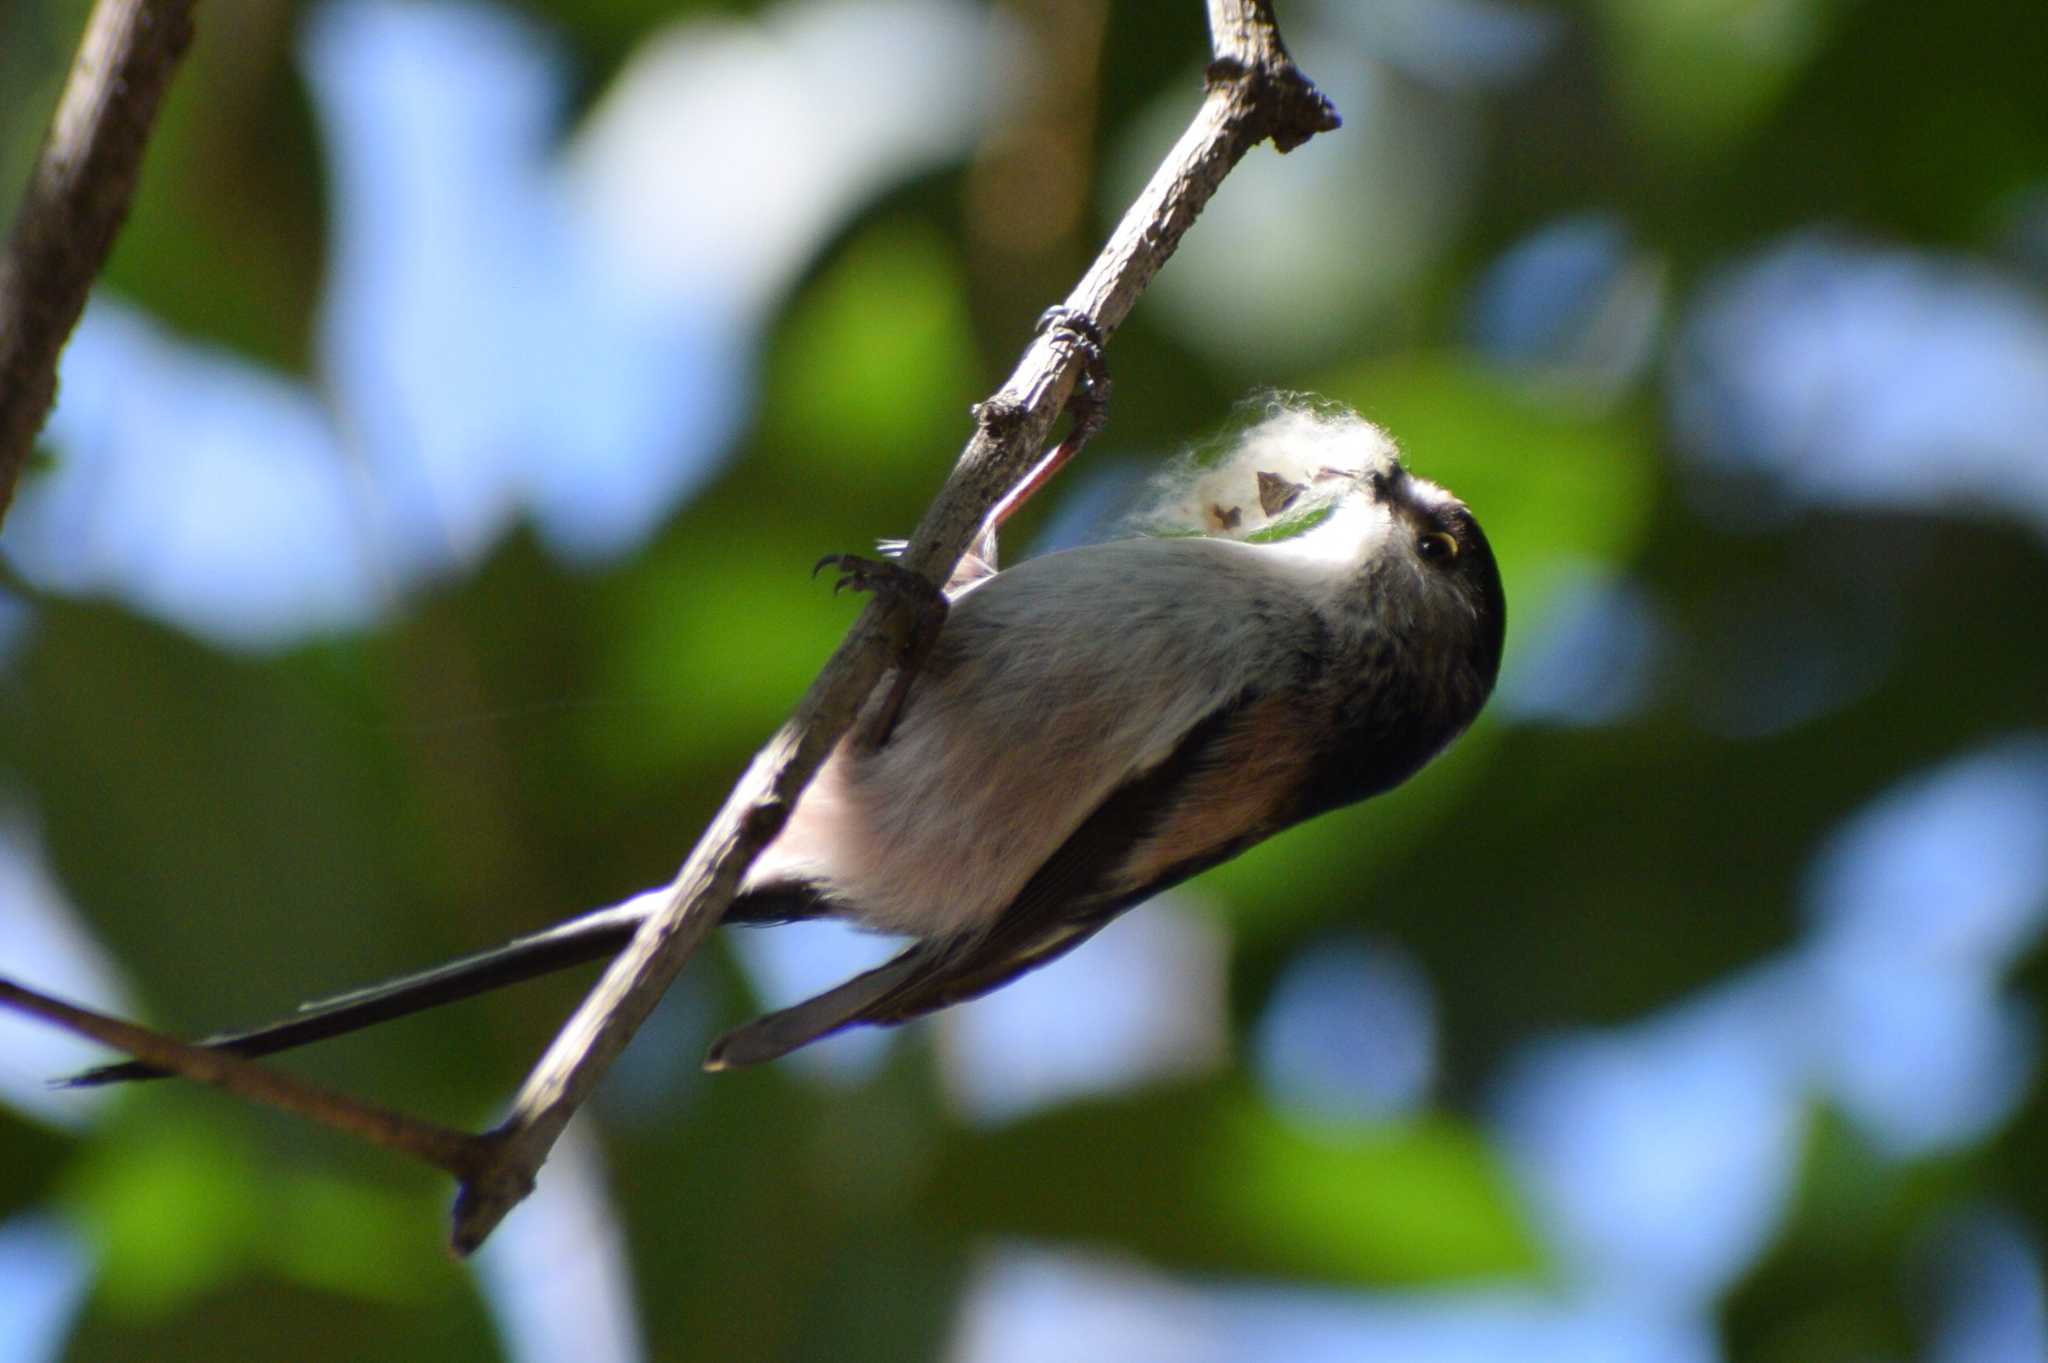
[(1233, 780)]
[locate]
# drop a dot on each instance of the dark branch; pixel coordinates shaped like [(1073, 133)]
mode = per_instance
[(458, 1152), (77, 197)]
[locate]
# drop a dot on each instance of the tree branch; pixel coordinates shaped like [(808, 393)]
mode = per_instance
[(77, 197), (1254, 92), (458, 1152)]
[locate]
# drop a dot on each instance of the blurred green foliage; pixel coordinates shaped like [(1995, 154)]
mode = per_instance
[(534, 740)]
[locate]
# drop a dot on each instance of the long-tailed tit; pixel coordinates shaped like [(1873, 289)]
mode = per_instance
[(1092, 727)]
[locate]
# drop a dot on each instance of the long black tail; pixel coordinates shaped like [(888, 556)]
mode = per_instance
[(592, 937)]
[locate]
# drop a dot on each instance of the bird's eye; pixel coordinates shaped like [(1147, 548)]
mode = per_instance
[(1438, 546)]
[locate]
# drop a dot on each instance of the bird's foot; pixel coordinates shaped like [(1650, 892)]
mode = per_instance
[(1060, 317), (917, 612), (1089, 403), (885, 577)]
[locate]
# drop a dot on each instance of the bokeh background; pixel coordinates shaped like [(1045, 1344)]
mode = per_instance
[(419, 550)]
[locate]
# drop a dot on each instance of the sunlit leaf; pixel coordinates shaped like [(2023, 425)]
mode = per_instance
[(1698, 74), (176, 1205), (876, 365), (358, 1238), (715, 642)]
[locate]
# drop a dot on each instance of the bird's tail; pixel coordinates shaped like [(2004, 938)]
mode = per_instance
[(592, 937), (864, 998)]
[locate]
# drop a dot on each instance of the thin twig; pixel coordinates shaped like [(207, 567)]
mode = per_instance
[(1254, 93), (458, 1152), (77, 197)]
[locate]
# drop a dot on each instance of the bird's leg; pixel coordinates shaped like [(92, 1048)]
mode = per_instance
[(917, 614), (920, 607), (1089, 406)]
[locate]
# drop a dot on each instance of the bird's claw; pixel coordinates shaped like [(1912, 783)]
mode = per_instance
[(1060, 317), (883, 576), (1090, 401), (921, 614)]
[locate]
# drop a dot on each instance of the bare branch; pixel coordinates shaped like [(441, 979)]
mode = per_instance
[(458, 1152), (1254, 93), (77, 197)]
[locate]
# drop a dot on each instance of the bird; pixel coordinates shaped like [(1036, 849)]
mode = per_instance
[(1090, 727)]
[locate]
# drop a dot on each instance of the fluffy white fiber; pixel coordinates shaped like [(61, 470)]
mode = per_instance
[(1273, 473)]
